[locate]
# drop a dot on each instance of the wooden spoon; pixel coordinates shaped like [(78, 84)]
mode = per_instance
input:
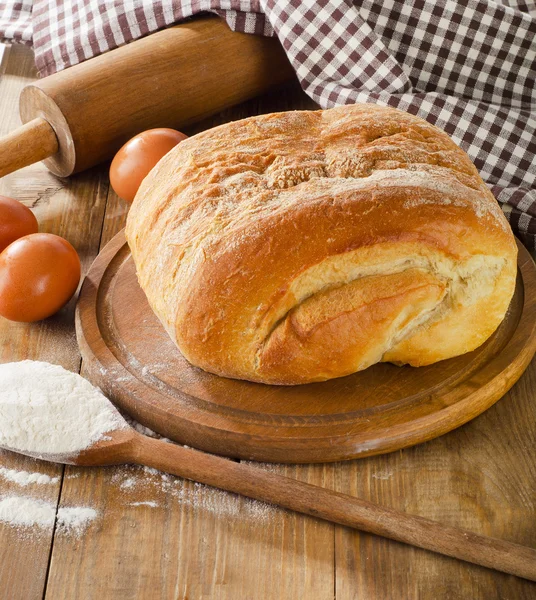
[(128, 446)]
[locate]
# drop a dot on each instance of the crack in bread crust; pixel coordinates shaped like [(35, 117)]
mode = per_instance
[(456, 282), (239, 228)]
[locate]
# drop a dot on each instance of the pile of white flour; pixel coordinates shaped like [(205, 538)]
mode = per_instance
[(19, 511), (24, 478), (47, 411)]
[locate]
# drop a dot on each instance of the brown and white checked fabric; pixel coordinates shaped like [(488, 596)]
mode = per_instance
[(16, 21), (468, 66)]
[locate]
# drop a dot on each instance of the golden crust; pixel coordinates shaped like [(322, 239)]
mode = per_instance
[(301, 246)]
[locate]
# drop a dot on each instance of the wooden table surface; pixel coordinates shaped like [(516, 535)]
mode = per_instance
[(193, 543)]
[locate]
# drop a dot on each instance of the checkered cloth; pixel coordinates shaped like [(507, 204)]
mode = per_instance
[(467, 66)]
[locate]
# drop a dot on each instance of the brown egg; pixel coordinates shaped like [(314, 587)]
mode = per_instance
[(138, 156), (39, 273), (16, 220)]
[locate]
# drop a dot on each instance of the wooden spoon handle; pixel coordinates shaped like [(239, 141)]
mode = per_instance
[(335, 507), (28, 144)]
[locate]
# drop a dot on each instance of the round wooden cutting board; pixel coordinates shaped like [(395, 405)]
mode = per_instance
[(130, 356)]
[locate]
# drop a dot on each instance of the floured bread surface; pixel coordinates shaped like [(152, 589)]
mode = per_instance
[(301, 246)]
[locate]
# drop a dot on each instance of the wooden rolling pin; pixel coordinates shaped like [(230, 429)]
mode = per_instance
[(81, 116)]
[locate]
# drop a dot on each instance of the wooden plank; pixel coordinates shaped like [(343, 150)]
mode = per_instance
[(4, 51), (196, 542), (481, 477), (24, 558), (24, 552), (73, 209)]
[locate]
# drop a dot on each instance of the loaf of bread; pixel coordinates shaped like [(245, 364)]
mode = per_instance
[(301, 246)]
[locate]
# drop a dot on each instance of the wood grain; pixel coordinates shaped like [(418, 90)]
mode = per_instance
[(26, 145), (481, 477), (195, 543), (23, 560), (3, 57), (74, 210), (125, 445)]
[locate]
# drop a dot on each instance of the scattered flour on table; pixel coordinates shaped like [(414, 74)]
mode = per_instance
[(74, 519), (128, 483), (145, 430), (159, 489), (25, 512), (24, 478), (383, 475), (46, 410), (22, 512)]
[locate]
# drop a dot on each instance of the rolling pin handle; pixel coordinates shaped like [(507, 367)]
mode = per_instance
[(32, 142)]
